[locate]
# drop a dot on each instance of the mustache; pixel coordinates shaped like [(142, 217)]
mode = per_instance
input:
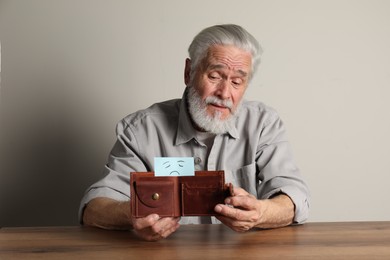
[(219, 102)]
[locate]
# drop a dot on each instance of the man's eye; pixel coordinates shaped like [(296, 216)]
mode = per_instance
[(214, 76), (237, 82)]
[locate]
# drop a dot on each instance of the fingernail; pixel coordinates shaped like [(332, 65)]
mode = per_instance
[(228, 201), (218, 208)]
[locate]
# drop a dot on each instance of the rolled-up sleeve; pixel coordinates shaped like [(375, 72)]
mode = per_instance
[(122, 160), (278, 172)]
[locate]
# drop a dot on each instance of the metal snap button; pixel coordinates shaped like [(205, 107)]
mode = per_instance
[(155, 196)]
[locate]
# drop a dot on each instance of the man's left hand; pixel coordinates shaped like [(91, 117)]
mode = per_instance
[(243, 211)]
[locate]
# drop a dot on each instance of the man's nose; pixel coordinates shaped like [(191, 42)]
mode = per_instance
[(223, 90)]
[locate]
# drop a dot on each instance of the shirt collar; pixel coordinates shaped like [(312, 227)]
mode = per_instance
[(185, 130)]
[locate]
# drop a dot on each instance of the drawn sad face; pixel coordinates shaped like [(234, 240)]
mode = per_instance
[(172, 166)]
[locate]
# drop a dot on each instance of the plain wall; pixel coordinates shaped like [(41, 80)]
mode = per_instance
[(72, 69)]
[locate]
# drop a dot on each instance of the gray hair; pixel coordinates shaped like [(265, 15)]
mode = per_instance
[(225, 34)]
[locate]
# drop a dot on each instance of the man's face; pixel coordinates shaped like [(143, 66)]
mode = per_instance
[(222, 78)]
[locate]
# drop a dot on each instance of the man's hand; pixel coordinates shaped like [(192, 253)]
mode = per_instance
[(153, 228), (244, 211), (111, 214)]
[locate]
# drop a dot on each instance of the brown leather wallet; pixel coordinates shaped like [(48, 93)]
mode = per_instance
[(177, 196)]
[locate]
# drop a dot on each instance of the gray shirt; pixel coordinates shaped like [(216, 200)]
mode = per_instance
[(255, 155)]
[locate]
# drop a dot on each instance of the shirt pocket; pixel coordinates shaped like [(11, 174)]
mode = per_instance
[(244, 177)]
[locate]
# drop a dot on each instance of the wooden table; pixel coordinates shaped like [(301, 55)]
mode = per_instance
[(354, 240)]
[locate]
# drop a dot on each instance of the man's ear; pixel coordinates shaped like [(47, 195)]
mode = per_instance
[(187, 72)]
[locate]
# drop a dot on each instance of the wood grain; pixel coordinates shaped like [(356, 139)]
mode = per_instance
[(355, 240)]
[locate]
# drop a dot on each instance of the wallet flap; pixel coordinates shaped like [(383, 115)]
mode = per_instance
[(154, 192)]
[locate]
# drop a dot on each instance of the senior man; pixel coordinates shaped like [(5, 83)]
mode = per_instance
[(213, 124)]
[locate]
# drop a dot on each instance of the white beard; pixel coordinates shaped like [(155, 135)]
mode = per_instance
[(210, 123)]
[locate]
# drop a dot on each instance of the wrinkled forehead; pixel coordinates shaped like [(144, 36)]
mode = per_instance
[(220, 57)]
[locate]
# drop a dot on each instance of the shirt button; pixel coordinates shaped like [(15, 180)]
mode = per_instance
[(197, 160)]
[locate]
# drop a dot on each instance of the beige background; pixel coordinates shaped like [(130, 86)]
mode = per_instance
[(71, 69)]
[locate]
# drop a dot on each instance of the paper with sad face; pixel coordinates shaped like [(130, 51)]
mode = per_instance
[(174, 166)]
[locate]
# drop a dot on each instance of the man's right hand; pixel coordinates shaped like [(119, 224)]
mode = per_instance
[(111, 214), (153, 228)]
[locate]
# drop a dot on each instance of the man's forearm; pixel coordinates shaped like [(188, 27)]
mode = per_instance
[(279, 212), (108, 214)]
